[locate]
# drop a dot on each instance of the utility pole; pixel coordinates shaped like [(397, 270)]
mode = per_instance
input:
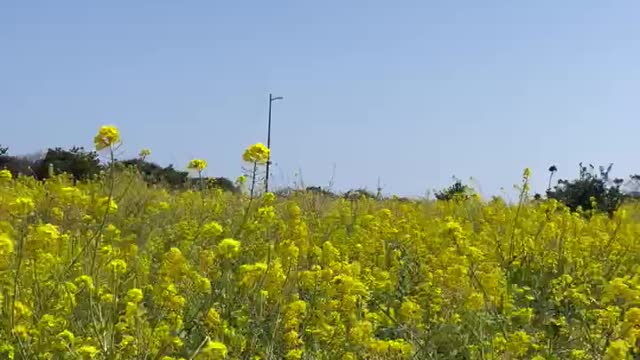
[(266, 179)]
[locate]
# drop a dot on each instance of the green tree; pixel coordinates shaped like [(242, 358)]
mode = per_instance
[(457, 191), (153, 173), (221, 183), (77, 162), (592, 190)]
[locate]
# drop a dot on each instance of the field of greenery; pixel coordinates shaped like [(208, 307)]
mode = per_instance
[(116, 268)]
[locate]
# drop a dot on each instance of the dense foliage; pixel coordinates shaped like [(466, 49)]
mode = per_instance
[(591, 190), (116, 268), (84, 165)]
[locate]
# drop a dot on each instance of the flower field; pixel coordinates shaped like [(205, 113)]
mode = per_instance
[(117, 269)]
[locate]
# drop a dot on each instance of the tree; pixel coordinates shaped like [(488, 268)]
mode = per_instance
[(77, 162), (355, 194), (153, 173), (457, 191), (319, 191), (592, 190), (17, 165), (4, 150), (222, 183)]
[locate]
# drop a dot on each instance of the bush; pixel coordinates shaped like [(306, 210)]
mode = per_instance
[(77, 162), (457, 191), (156, 174), (221, 183), (592, 190)]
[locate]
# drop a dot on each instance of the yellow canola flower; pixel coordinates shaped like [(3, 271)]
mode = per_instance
[(617, 350), (118, 266), (5, 174), (229, 247), (214, 350), (22, 205), (107, 204), (88, 351), (6, 244), (197, 164), (257, 153), (67, 336), (107, 136), (135, 295), (295, 354)]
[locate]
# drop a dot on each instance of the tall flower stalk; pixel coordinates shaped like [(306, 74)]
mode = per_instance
[(198, 165)]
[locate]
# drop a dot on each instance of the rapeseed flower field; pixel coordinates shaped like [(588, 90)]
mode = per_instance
[(115, 268)]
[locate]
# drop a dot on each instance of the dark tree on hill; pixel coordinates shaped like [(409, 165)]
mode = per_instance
[(155, 174), (17, 165), (359, 193), (221, 183), (457, 191), (319, 191), (4, 150), (590, 184), (77, 162)]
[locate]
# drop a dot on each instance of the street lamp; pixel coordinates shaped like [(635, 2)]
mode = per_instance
[(266, 179)]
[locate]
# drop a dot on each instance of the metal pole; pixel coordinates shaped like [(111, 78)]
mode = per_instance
[(266, 179)]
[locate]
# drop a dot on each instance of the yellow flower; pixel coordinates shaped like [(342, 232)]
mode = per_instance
[(211, 229), (85, 280), (257, 153), (6, 244), (410, 311), (229, 247), (22, 205), (269, 197), (203, 285), (519, 343), (107, 136), (21, 331), (88, 351), (617, 350), (526, 173), (197, 164), (215, 350), (293, 354), (107, 204), (5, 175), (21, 310), (135, 295), (213, 319), (47, 232), (118, 266), (8, 351), (67, 336)]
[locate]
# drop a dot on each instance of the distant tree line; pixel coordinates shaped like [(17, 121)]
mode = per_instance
[(83, 165), (593, 189)]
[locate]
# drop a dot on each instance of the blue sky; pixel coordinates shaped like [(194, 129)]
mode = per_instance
[(411, 92)]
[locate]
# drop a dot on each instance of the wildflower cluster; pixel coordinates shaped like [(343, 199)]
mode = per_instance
[(197, 164), (107, 136), (257, 153), (152, 274)]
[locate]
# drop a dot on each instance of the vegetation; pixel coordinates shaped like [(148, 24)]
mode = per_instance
[(119, 266), (592, 190), (457, 191)]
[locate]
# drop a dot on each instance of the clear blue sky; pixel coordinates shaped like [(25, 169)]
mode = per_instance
[(413, 92)]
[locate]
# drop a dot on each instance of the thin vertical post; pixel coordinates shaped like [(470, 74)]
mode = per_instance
[(266, 179)]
